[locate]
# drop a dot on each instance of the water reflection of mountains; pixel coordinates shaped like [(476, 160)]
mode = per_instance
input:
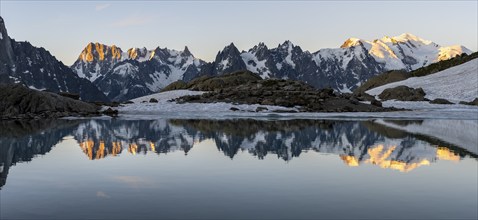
[(355, 142)]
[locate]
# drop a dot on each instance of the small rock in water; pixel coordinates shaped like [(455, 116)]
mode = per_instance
[(260, 109), (110, 112), (474, 102), (440, 101)]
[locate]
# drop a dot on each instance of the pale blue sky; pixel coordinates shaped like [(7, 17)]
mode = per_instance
[(65, 27)]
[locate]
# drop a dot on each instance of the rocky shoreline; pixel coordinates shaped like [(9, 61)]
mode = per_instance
[(19, 102)]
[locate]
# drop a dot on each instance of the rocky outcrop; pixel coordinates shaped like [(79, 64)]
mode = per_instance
[(403, 93), (18, 102), (244, 88), (474, 102), (382, 79), (440, 101), (209, 83)]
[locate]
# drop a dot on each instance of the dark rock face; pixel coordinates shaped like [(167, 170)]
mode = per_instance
[(376, 103), (382, 79), (228, 60), (37, 68), (440, 101), (7, 57), (17, 101), (403, 93), (285, 93)]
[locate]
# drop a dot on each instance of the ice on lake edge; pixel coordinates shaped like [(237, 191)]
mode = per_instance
[(165, 108)]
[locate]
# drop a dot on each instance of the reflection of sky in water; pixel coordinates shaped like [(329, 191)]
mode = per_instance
[(292, 179)]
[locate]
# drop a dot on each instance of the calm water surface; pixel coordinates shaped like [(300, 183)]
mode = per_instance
[(238, 168)]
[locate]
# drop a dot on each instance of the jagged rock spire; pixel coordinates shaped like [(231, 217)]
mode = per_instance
[(6, 50)]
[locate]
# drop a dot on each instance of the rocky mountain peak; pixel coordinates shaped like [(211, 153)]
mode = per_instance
[(186, 52), (410, 37), (228, 51), (261, 51), (138, 53), (99, 52), (260, 47), (6, 49), (286, 44)]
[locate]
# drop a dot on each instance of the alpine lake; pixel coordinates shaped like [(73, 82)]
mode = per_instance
[(239, 168)]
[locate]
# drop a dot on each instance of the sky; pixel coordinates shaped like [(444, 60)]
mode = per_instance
[(66, 27)]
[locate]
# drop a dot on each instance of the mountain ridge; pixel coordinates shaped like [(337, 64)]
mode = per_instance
[(343, 69)]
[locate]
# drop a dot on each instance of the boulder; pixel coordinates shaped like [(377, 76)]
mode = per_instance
[(403, 93), (474, 102), (440, 101), (260, 109), (364, 97), (110, 112), (376, 103), (153, 100)]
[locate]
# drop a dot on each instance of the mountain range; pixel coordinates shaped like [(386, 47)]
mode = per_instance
[(125, 75), (104, 72)]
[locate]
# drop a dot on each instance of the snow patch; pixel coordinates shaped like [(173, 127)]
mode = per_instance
[(125, 69), (224, 64), (459, 83), (259, 67), (142, 106), (288, 58)]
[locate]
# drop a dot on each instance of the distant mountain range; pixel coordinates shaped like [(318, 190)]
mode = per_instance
[(123, 75)]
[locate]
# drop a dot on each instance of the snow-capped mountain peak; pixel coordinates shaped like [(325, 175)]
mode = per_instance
[(351, 42), (410, 37)]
